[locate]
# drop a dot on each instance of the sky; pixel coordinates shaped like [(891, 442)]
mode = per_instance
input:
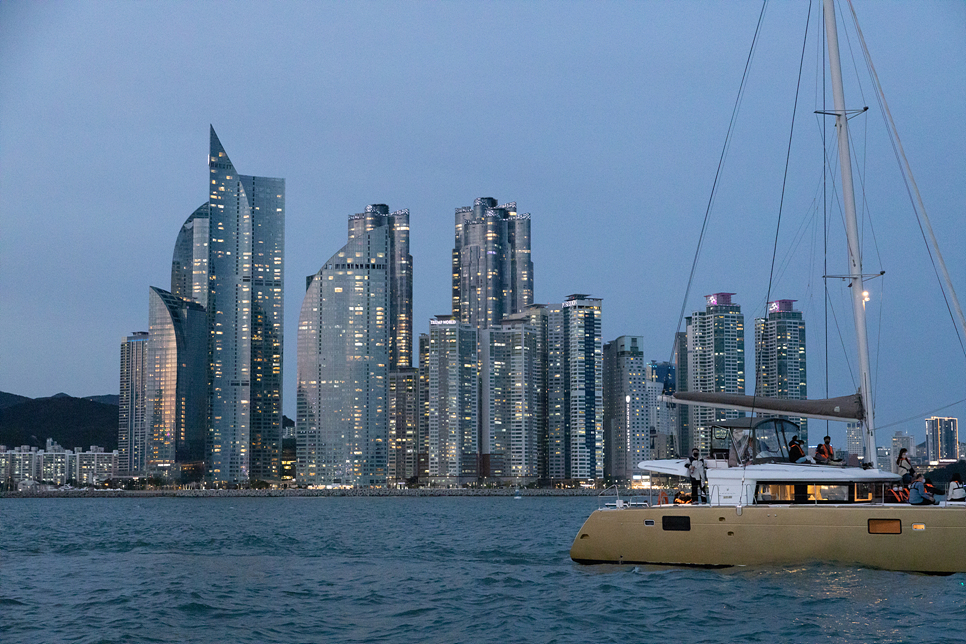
[(604, 120)]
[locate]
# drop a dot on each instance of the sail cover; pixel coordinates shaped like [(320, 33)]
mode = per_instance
[(842, 408)]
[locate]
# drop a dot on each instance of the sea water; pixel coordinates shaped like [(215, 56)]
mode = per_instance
[(463, 569)]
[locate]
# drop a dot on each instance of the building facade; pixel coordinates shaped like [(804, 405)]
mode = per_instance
[(716, 362), (942, 439), (627, 439), (176, 386), (780, 364), (453, 374), (492, 269), (244, 303), (131, 434), (342, 416)]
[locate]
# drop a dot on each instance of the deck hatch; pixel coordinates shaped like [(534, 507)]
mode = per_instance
[(885, 526), (679, 523)]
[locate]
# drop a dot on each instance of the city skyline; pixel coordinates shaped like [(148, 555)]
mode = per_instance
[(575, 172)]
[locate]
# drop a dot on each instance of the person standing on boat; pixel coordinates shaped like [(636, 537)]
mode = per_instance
[(918, 494), (696, 473), (904, 467), (824, 454)]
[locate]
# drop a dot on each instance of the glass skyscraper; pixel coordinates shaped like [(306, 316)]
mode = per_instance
[(626, 413), (246, 219), (342, 422), (492, 269), (189, 263), (780, 357)]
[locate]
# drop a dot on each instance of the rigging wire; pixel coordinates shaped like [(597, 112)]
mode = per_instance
[(920, 415), (717, 174), (781, 203)]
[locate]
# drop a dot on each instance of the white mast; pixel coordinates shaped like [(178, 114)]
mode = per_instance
[(852, 231)]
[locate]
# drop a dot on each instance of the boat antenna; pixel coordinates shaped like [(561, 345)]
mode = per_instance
[(857, 280)]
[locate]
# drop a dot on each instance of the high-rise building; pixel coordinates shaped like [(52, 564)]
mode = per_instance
[(854, 441), (176, 368), (453, 368), (716, 362), (131, 437), (246, 220), (511, 409), (627, 439), (681, 371), (492, 269), (403, 397), (942, 439), (780, 357), (422, 446), (663, 417), (901, 440), (342, 416), (575, 389), (189, 262)]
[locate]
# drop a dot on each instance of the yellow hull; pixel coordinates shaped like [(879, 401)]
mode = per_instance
[(929, 539)]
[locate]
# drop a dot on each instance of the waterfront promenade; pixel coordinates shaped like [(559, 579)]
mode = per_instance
[(415, 492)]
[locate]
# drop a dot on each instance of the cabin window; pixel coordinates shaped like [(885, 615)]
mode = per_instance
[(818, 492), (885, 526), (679, 523)]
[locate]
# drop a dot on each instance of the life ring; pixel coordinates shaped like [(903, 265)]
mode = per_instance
[(662, 498)]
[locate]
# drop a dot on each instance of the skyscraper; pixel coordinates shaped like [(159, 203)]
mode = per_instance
[(176, 368), (453, 368), (189, 262), (716, 362), (492, 269), (131, 439), (355, 405), (780, 357), (942, 439), (575, 389), (511, 410), (626, 426), (246, 219)]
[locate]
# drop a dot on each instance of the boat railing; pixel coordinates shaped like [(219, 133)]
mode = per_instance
[(628, 501)]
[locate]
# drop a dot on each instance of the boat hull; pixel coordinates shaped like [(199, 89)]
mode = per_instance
[(917, 538)]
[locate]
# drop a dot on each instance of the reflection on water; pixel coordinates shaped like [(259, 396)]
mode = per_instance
[(410, 569)]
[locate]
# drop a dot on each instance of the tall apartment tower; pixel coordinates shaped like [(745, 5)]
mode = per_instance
[(246, 220), (342, 416), (942, 439), (453, 368), (131, 439), (716, 362), (176, 377), (189, 262), (780, 356), (681, 371), (492, 269), (575, 389), (511, 409), (626, 426)]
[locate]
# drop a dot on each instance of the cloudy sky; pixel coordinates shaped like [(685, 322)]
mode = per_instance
[(604, 120)]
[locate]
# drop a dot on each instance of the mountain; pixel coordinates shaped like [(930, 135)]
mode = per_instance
[(9, 400), (72, 422)]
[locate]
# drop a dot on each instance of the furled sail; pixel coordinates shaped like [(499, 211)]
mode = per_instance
[(841, 408)]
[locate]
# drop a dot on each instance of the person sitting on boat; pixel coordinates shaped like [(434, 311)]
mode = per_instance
[(796, 452), (904, 467), (956, 491), (696, 474), (918, 494), (824, 454)]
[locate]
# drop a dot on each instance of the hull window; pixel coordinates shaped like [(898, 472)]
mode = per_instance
[(682, 524), (885, 526)]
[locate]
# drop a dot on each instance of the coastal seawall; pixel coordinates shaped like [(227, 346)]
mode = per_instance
[(417, 492)]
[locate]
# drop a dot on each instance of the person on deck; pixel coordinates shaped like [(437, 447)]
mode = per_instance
[(824, 454), (696, 474), (956, 491), (904, 467), (796, 453), (918, 494)]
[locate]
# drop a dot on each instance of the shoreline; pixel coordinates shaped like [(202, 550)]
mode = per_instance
[(417, 492)]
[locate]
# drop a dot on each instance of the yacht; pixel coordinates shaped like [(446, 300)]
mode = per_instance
[(764, 510)]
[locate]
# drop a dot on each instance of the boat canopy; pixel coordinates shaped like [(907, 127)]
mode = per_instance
[(841, 408)]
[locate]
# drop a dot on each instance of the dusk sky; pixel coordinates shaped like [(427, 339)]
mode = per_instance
[(604, 120)]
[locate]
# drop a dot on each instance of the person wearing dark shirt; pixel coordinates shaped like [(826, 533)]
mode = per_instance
[(824, 454), (796, 453)]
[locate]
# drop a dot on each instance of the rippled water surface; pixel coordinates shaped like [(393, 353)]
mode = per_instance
[(411, 570)]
